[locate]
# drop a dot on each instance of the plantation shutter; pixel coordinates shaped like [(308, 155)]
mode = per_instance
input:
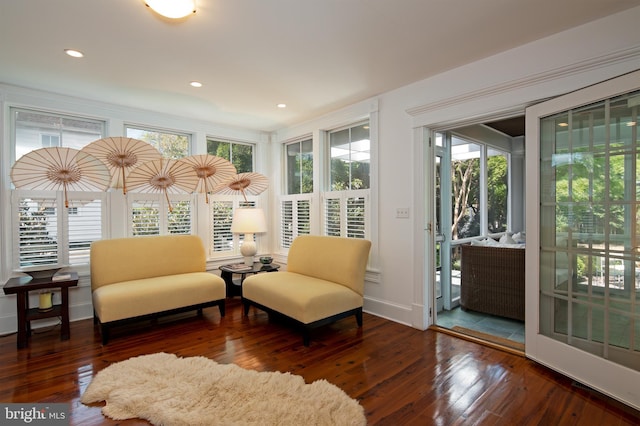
[(38, 243), (84, 220), (145, 217), (295, 218), (286, 223), (355, 220), (221, 216), (332, 217), (179, 219)]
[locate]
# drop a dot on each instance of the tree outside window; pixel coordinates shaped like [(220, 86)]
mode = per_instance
[(350, 158), (170, 145), (240, 155), (497, 191), (465, 190), (300, 167)]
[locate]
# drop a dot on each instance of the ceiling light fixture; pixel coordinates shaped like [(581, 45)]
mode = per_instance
[(174, 9), (74, 53), (196, 84), (281, 105)]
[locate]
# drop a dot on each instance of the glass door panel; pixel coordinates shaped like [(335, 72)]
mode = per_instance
[(583, 163)]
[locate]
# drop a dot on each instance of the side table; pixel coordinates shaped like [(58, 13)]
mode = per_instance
[(21, 286), (234, 287)]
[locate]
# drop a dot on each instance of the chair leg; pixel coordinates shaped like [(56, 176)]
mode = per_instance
[(306, 337), (221, 306), (359, 317), (104, 330), (247, 305)]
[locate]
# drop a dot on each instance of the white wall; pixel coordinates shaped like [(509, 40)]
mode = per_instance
[(493, 87), (116, 117)]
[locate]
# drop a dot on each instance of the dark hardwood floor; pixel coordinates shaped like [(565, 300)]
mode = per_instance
[(400, 375)]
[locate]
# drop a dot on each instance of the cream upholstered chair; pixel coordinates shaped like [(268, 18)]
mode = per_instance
[(323, 282)]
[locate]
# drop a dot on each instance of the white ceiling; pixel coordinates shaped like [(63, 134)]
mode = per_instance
[(314, 55)]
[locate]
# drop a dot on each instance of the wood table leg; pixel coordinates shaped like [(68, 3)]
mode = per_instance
[(65, 332), (23, 325)]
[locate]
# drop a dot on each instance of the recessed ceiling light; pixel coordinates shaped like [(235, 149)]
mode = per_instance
[(281, 105), (74, 53), (196, 84)]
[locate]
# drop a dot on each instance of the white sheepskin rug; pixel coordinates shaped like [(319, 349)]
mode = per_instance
[(167, 390)]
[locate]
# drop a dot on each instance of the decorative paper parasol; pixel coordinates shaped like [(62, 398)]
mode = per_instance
[(211, 170), (244, 183), (57, 168), (121, 155), (163, 176)]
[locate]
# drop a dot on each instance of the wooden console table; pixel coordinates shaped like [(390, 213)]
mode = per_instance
[(21, 286)]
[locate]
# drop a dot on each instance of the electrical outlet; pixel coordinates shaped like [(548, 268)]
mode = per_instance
[(402, 212)]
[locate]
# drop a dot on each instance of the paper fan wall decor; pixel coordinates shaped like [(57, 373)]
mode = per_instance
[(60, 168), (244, 183), (121, 155), (211, 170), (163, 176)]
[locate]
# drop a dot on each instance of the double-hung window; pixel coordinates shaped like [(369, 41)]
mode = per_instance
[(157, 214), (346, 211), (295, 205), (221, 207), (45, 232)]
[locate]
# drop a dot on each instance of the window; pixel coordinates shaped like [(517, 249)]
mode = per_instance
[(39, 129), (350, 158), (299, 166), (50, 140), (497, 190), (295, 206), (50, 234), (151, 215), (239, 154), (346, 214), (465, 189), (224, 242), (295, 213), (346, 203), (170, 145), (44, 231)]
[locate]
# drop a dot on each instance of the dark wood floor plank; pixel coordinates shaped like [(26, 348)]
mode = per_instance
[(400, 375)]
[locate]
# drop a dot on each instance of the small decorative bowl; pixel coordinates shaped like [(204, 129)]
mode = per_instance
[(265, 260)]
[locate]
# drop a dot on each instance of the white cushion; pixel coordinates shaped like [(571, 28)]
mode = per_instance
[(506, 239)]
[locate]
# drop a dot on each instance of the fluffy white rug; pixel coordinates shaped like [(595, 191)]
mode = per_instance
[(167, 390)]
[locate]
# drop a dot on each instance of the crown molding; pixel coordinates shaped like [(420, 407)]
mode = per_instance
[(624, 55)]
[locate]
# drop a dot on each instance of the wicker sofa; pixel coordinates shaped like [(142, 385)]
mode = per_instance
[(493, 280)]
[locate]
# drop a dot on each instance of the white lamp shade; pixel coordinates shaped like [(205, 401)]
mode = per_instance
[(173, 9), (248, 221)]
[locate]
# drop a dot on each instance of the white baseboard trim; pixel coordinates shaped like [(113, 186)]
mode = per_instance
[(392, 311)]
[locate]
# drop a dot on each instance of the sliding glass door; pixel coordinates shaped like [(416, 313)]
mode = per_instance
[(583, 241)]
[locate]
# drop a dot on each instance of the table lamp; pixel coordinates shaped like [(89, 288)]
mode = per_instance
[(248, 221)]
